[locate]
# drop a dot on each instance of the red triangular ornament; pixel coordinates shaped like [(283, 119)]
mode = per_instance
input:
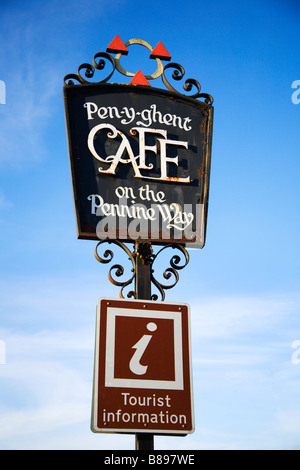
[(117, 46), (160, 52), (139, 79)]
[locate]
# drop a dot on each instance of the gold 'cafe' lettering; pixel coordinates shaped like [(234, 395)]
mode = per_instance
[(138, 162)]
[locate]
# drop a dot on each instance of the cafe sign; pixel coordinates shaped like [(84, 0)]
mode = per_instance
[(139, 155)]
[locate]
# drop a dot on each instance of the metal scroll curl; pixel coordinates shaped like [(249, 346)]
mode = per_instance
[(99, 63), (177, 262), (117, 270), (188, 85)]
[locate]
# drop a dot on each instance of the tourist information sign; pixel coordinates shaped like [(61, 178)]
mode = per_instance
[(142, 375)]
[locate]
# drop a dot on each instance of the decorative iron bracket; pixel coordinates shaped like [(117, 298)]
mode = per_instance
[(143, 252), (87, 71)]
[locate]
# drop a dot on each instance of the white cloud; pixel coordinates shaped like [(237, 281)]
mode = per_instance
[(32, 88), (289, 421), (51, 374), (245, 340), (231, 316), (29, 105)]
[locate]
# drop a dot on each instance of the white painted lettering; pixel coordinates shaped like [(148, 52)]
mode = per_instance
[(147, 116), (165, 159), (91, 109), (130, 113), (125, 147), (150, 400)]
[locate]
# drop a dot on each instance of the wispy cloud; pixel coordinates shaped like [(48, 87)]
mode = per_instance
[(29, 105), (52, 371), (231, 316), (32, 84)]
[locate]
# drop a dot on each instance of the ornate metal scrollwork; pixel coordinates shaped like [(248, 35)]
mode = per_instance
[(178, 74), (144, 252), (90, 69), (85, 77), (117, 269), (171, 271)]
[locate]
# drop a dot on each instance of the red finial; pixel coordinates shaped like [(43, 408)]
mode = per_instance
[(139, 79), (117, 45), (160, 52)]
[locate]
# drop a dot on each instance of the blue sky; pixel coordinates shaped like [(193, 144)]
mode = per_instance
[(243, 286)]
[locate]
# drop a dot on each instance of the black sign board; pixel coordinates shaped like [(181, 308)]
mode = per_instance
[(140, 163)]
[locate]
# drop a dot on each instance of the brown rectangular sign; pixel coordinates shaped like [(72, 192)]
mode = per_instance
[(142, 376)]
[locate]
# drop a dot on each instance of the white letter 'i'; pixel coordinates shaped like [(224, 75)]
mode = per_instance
[(134, 365)]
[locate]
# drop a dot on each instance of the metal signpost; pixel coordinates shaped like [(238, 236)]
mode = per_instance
[(140, 166)]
